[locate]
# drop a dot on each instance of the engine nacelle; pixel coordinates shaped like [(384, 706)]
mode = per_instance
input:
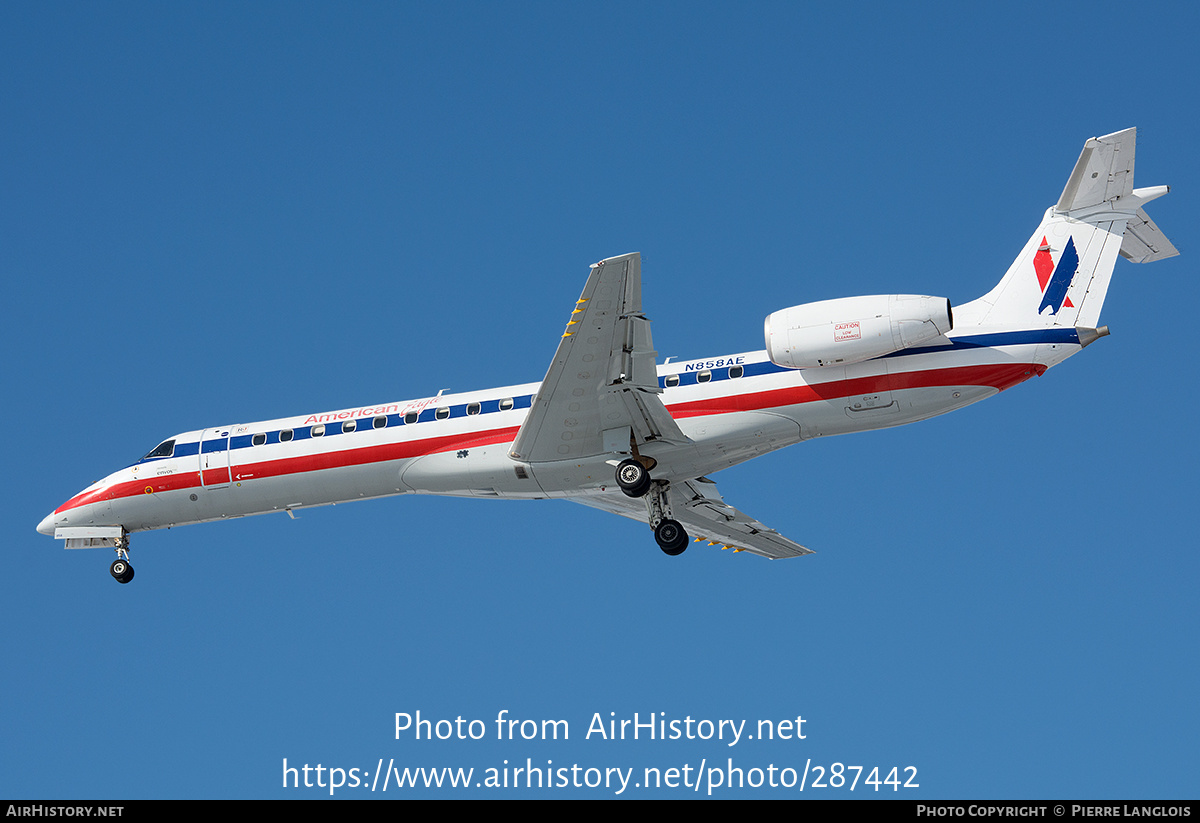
[(853, 329)]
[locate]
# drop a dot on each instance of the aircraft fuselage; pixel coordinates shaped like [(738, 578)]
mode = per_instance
[(732, 409)]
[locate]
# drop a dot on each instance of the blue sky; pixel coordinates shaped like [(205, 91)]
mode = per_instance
[(214, 214)]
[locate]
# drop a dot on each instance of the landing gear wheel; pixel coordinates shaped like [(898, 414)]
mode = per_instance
[(633, 478), (671, 537), (121, 571)]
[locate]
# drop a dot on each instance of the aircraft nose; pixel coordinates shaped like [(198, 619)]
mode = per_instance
[(47, 524)]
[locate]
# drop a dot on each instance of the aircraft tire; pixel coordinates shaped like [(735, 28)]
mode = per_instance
[(121, 571), (671, 537), (633, 478)]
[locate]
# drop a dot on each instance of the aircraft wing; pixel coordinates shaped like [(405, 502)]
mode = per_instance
[(707, 517), (601, 392)]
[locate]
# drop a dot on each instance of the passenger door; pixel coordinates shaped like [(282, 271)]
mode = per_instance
[(214, 459)]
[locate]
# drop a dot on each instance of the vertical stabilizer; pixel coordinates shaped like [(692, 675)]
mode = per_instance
[(1061, 276)]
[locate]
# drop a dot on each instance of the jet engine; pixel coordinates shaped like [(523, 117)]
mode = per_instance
[(853, 329)]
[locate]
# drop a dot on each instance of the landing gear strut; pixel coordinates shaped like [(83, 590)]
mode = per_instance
[(668, 532), (120, 569), (633, 477)]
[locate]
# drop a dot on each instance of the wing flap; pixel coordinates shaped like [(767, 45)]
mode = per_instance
[(603, 376), (706, 515)]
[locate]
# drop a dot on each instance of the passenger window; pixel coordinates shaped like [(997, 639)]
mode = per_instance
[(163, 449), (704, 376), (506, 404), (381, 421), (349, 426), (411, 417), (473, 408), (285, 435), (736, 371), (318, 431), (258, 439), (672, 381), (442, 413)]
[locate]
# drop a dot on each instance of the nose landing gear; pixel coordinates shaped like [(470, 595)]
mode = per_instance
[(120, 569)]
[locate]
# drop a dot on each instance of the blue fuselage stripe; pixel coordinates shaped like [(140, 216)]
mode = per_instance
[(685, 378)]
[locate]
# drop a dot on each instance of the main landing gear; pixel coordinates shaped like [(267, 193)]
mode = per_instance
[(634, 479), (671, 537), (120, 569)]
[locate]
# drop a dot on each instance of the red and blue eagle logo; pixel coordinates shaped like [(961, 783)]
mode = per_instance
[(1055, 280)]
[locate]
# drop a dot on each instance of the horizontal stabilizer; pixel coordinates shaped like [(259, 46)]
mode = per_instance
[(1144, 242), (1103, 172)]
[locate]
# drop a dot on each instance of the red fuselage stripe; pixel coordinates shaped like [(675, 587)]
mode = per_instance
[(999, 376)]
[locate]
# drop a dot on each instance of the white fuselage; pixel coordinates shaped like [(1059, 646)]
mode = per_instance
[(731, 408)]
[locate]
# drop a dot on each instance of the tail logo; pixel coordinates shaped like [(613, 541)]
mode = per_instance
[(1055, 280)]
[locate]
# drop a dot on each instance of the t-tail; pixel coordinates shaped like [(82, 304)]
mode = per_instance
[(1062, 274)]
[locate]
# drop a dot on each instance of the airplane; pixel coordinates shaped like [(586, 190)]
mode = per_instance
[(611, 428)]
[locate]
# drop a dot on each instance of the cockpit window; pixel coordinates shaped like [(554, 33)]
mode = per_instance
[(163, 449)]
